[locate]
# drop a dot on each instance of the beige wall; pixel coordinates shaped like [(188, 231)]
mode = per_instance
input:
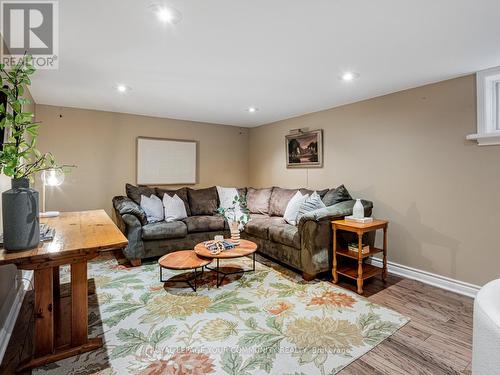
[(408, 154), (405, 151), (103, 146)]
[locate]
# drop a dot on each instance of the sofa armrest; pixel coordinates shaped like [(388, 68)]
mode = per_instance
[(125, 205), (316, 234), (135, 247), (335, 211)]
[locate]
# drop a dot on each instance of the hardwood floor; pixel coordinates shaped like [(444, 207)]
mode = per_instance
[(437, 340)]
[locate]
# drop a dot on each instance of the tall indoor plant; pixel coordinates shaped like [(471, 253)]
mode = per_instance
[(20, 159)]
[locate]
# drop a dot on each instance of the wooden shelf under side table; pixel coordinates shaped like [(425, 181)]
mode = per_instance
[(362, 271)]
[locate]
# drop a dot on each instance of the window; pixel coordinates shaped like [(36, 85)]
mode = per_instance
[(488, 108), (497, 104)]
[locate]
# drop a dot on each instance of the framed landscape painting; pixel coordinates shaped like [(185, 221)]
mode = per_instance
[(304, 149)]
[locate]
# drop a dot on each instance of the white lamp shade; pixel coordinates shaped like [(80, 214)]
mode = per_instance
[(53, 177)]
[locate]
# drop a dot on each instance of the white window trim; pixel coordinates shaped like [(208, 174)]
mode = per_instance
[(488, 131)]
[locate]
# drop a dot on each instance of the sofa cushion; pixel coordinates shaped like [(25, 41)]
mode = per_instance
[(321, 193), (181, 193), (279, 200), (163, 230), (258, 225), (285, 234), (258, 200), (203, 201), (205, 223), (337, 195), (135, 192)]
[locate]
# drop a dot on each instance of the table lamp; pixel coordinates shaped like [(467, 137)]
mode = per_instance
[(50, 177)]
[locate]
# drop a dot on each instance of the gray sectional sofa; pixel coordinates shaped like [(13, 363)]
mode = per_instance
[(306, 246)]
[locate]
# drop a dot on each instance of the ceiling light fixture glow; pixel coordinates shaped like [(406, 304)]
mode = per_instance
[(252, 109), (122, 89), (349, 76), (168, 14)]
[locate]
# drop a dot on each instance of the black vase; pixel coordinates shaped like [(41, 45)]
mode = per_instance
[(20, 212)]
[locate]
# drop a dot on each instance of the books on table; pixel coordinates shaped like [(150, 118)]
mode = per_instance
[(362, 220), (354, 248), (46, 233)]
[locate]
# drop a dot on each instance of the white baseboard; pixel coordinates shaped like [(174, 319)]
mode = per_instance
[(433, 279), (16, 297)]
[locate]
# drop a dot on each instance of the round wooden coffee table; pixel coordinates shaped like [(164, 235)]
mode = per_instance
[(183, 260), (243, 249)]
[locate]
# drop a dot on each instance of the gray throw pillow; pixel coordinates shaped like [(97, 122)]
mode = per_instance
[(321, 193), (258, 200), (312, 203), (337, 195), (203, 201), (135, 192)]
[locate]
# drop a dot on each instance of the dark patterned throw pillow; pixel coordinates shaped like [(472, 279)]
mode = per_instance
[(337, 195)]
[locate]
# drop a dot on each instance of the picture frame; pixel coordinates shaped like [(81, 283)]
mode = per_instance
[(304, 149)]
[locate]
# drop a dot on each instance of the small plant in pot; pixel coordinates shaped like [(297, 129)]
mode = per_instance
[(237, 217), (20, 159)]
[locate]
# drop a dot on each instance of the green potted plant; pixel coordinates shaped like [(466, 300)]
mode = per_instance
[(237, 217), (19, 159)]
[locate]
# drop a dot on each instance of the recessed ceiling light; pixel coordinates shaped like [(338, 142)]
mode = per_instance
[(349, 76), (122, 88), (168, 14), (252, 109)]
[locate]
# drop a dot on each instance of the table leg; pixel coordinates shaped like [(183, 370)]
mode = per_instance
[(58, 308), (44, 317), (384, 271), (56, 283), (195, 272), (79, 304), (46, 350), (334, 271), (360, 263), (217, 272)]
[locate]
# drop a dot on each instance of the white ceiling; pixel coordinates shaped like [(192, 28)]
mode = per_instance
[(282, 56)]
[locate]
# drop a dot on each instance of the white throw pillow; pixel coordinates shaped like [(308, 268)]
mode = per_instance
[(174, 208), (312, 203), (226, 198), (292, 208), (153, 207)]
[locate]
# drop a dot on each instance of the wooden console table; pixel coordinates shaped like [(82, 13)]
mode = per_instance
[(79, 237), (360, 271)]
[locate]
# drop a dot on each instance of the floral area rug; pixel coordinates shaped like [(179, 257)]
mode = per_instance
[(264, 322)]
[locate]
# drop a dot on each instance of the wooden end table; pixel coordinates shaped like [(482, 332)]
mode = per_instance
[(243, 249), (79, 237), (362, 271), (183, 260)]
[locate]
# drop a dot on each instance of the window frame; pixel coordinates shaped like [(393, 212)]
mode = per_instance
[(488, 108)]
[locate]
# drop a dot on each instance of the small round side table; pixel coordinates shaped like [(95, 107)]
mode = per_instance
[(183, 260)]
